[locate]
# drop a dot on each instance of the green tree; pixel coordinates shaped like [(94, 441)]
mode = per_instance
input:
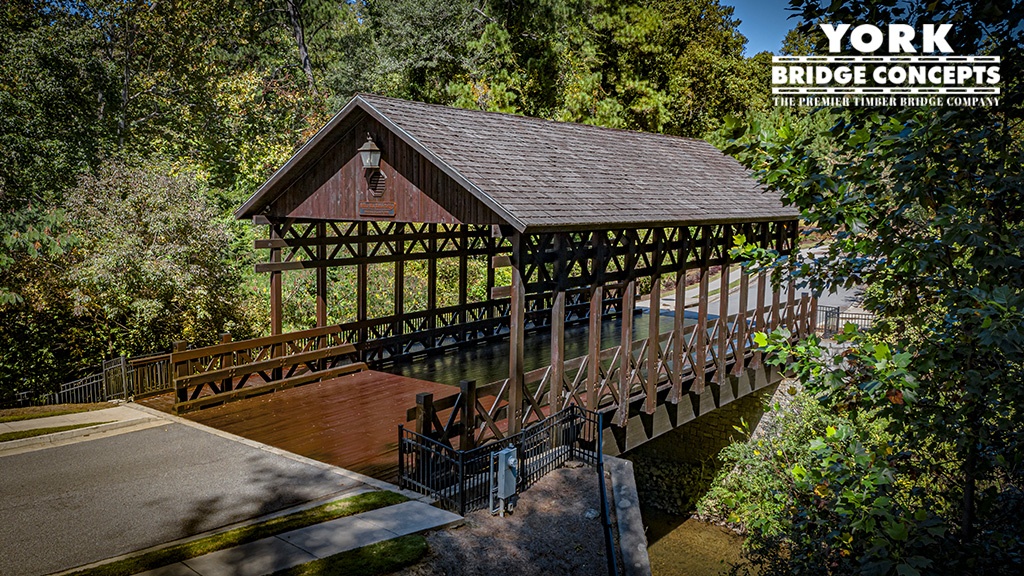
[(924, 206)]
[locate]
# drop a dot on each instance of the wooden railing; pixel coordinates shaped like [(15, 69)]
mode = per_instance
[(240, 369), (682, 362)]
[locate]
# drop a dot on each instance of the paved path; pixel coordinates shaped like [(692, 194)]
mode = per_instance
[(93, 498), (289, 549)]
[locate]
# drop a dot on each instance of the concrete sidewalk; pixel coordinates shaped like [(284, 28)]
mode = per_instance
[(290, 549), (113, 419)]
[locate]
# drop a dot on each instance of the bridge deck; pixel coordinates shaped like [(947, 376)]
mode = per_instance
[(351, 422)]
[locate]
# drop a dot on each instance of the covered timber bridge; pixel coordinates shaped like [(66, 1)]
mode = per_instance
[(541, 226)]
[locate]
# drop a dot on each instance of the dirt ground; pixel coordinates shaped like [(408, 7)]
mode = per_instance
[(549, 534)]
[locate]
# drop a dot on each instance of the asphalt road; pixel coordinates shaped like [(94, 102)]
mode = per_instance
[(70, 505)]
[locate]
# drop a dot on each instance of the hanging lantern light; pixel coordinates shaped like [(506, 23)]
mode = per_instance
[(370, 154)]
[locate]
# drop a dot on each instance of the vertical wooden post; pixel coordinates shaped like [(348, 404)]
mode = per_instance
[(362, 281), (626, 352), (180, 370), (678, 328), (776, 316), (791, 306), (741, 324), (399, 281), (463, 272), (804, 320), (700, 366), (653, 347), (814, 314), (723, 313), (491, 250), (759, 323), (517, 320), (227, 360), (275, 286), (597, 242), (424, 413), (432, 279), (468, 390), (557, 380), (321, 274)]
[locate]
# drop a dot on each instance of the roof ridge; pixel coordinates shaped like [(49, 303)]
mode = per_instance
[(534, 118)]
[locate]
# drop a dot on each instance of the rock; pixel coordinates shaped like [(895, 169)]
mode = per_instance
[(590, 514)]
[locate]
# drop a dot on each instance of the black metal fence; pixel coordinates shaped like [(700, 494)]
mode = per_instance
[(460, 479), (832, 320)]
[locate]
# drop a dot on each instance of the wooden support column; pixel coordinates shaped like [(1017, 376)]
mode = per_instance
[(557, 380), (399, 281), (805, 303), (653, 347), (759, 322), (517, 321), (463, 238), (321, 275), (791, 306), (814, 314), (362, 284), (424, 413), (276, 313), (432, 277), (626, 352), (776, 316), (723, 310), (491, 250), (227, 360), (180, 369), (741, 324), (468, 391), (700, 365), (598, 262), (678, 328)]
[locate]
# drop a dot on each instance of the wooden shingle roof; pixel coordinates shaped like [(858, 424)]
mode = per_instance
[(540, 175)]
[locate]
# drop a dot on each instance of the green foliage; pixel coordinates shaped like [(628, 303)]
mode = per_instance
[(924, 206), (154, 261)]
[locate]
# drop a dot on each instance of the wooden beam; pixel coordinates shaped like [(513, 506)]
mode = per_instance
[(561, 273), (723, 325), (597, 269), (653, 348), (626, 352), (517, 321), (276, 314), (432, 276), (759, 321), (740, 347), (702, 335), (321, 278), (678, 326), (399, 285)]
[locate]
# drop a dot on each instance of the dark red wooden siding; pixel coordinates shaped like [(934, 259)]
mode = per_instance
[(337, 187)]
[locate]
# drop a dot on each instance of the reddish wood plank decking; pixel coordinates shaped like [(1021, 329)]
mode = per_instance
[(351, 422)]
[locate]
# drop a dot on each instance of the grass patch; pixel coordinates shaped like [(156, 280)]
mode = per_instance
[(178, 552), (32, 412), (18, 435), (380, 558)]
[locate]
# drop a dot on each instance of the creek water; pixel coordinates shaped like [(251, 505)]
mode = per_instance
[(684, 546)]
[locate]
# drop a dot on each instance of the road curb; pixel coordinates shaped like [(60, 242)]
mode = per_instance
[(60, 437)]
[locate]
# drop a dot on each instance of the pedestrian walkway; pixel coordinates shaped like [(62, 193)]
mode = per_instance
[(296, 547), (106, 420)]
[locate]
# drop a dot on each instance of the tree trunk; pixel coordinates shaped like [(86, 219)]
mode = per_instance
[(294, 11)]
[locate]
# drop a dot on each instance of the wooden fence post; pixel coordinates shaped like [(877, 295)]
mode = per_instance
[(468, 389), (424, 413), (226, 361), (180, 370)]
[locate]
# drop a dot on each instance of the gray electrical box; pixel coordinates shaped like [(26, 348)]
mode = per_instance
[(504, 479), (507, 472)]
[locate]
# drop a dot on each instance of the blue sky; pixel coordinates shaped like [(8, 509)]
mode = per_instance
[(763, 22)]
